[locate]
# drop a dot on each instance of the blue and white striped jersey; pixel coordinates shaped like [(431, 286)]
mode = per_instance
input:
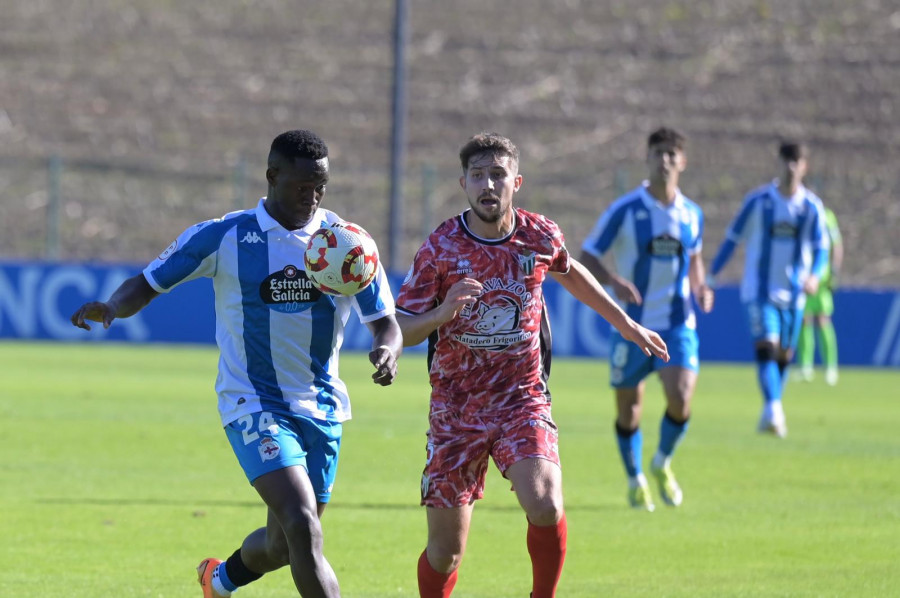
[(783, 236), (652, 244), (278, 335)]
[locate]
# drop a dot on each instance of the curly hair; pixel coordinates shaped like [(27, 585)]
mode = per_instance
[(492, 143)]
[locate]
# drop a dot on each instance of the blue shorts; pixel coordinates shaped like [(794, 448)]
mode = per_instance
[(768, 322), (628, 365), (267, 441)]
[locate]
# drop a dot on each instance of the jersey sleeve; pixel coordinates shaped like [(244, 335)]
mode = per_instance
[(605, 232), (419, 291), (376, 300), (192, 255), (699, 222), (560, 261)]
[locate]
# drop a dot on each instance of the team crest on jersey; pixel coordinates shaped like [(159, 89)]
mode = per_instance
[(497, 319), (784, 230), (526, 262), (288, 291), (463, 266), (665, 246)]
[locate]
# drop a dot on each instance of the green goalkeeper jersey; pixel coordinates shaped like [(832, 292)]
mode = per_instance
[(834, 235)]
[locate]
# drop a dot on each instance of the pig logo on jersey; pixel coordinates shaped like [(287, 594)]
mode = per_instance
[(288, 291), (497, 320)]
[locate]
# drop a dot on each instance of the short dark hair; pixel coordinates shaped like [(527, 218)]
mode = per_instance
[(790, 150), (492, 143), (666, 135), (299, 143)]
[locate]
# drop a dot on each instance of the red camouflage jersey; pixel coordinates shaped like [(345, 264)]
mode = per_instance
[(495, 353)]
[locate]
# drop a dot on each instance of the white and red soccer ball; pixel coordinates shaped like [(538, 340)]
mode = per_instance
[(341, 259)]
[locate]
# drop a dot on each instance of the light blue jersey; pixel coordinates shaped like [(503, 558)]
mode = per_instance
[(652, 244), (278, 336), (786, 241)]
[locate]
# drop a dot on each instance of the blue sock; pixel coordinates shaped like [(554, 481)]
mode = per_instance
[(670, 434), (769, 380), (631, 444)]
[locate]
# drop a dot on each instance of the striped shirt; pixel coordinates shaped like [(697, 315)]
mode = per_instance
[(652, 244), (278, 336), (786, 241)]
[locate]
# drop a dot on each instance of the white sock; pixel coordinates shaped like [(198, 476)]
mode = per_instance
[(660, 460), (217, 583)]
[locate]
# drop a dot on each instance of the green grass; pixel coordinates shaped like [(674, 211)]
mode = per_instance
[(116, 479)]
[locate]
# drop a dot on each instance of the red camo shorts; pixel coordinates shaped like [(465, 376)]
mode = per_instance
[(459, 446)]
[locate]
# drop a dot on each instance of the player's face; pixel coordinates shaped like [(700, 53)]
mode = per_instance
[(665, 162), (296, 189), (490, 183), (793, 170)]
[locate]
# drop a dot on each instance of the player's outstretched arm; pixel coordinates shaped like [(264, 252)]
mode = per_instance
[(131, 297), (387, 344), (417, 327), (584, 287)]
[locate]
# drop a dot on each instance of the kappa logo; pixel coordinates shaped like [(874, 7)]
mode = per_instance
[(641, 215), (252, 237)]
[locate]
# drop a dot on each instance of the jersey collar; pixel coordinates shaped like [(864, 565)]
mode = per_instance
[(651, 201), (267, 223)]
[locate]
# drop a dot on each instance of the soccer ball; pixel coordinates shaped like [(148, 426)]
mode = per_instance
[(341, 259)]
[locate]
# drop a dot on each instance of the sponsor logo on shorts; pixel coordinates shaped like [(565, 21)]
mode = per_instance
[(268, 449)]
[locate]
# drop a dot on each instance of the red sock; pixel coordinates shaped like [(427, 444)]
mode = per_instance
[(547, 547), (433, 584)]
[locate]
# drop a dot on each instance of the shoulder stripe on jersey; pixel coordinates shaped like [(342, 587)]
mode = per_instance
[(201, 245)]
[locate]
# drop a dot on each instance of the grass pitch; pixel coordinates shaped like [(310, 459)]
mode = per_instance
[(116, 479)]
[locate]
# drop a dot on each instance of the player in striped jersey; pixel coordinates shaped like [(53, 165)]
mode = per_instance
[(783, 225), (474, 291), (281, 400), (655, 235)]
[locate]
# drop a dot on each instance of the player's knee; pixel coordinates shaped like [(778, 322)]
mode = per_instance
[(302, 530), (445, 558), (547, 512), (766, 352)]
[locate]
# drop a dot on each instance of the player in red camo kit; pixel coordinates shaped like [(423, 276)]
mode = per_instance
[(474, 291)]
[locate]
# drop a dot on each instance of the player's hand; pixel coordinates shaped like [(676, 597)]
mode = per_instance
[(650, 342), (463, 292), (95, 311), (811, 285), (706, 298), (385, 365), (626, 291)]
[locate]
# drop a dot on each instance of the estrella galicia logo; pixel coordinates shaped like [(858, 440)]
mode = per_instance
[(288, 291), (784, 230), (665, 246)]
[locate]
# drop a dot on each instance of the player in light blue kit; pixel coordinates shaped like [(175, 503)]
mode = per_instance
[(655, 235), (783, 225), (280, 398)]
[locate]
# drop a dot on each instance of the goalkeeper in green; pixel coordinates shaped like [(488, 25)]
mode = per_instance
[(817, 316)]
